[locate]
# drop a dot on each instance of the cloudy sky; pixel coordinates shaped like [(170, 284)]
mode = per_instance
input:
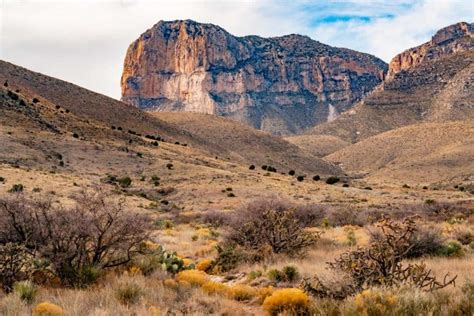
[(84, 41)]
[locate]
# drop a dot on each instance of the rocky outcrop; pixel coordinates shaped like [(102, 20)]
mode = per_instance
[(455, 38), (282, 85)]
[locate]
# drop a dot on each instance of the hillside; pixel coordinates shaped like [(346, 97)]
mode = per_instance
[(421, 153), (318, 145), (242, 143), (101, 112), (282, 85)]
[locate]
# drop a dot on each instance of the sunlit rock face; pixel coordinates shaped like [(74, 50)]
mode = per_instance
[(455, 38), (282, 85)]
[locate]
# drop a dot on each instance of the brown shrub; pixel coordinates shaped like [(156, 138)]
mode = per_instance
[(95, 234), (270, 225)]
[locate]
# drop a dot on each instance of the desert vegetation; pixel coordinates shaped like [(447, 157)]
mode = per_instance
[(270, 256)]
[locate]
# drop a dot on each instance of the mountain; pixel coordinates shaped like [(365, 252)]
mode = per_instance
[(63, 108), (282, 85), (430, 83)]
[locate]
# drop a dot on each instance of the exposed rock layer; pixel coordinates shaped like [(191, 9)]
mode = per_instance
[(282, 85), (447, 41)]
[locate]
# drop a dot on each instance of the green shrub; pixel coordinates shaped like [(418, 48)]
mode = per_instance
[(291, 172), (300, 178), (26, 290), (252, 167), (124, 182), (332, 180), (451, 249), (316, 178), (2, 179), (291, 273), (276, 275), (16, 188)]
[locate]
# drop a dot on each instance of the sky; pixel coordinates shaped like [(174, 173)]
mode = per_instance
[(85, 41)]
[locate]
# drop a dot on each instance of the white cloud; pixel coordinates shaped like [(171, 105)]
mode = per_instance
[(84, 41)]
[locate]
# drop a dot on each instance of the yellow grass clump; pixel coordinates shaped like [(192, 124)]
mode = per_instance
[(289, 301), (47, 309), (242, 292), (204, 265), (187, 262), (193, 277), (212, 287), (170, 283)]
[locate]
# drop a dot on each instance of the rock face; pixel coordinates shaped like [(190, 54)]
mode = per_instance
[(282, 85), (429, 83), (447, 41)]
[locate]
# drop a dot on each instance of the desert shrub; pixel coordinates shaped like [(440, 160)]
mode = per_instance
[(242, 292), (205, 265), (266, 226), (425, 241), (193, 277), (287, 301), (213, 288), (124, 182), (300, 178), (291, 273), (373, 302), (464, 236), (316, 178), (252, 167), (381, 264), (287, 274), (264, 167), (308, 215), (230, 194), (128, 292), (332, 180), (2, 179), (75, 135), (16, 264), (228, 257), (96, 233), (345, 185), (276, 275), (48, 309), (271, 169), (26, 291), (346, 216), (169, 166), (405, 186), (215, 218), (291, 172), (16, 188), (451, 249)]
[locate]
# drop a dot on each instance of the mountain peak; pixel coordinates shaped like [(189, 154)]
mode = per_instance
[(449, 40), (282, 85)]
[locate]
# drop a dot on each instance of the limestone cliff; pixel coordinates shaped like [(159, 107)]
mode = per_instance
[(282, 85), (455, 38)]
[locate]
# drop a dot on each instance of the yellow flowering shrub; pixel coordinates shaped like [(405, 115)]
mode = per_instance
[(187, 262), (212, 287), (194, 277), (47, 309), (204, 265), (290, 301), (242, 292), (264, 292), (374, 303)]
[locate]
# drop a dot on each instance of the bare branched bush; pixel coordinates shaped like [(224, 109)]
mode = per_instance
[(95, 234), (15, 265), (270, 225), (380, 264)]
